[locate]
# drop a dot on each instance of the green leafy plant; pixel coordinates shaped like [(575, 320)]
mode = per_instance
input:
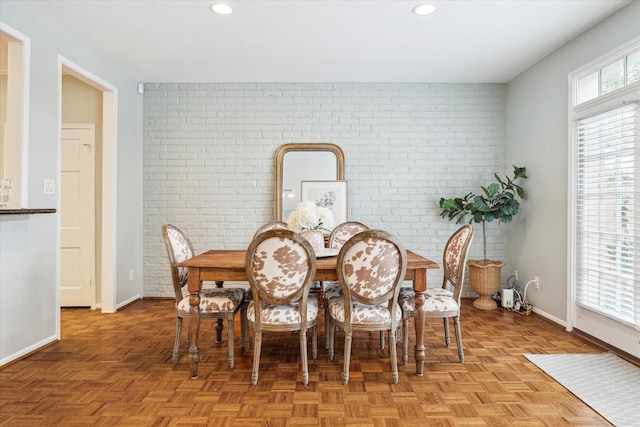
[(497, 201)]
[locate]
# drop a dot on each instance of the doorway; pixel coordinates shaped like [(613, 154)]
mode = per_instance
[(103, 294)]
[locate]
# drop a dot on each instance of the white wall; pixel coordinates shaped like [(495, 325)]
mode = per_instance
[(537, 135), (28, 244), (209, 153)]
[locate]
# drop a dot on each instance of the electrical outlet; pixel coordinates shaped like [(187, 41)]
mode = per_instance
[(515, 274), (536, 283), (131, 274)]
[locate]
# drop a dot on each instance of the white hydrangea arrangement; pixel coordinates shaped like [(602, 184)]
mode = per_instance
[(309, 216)]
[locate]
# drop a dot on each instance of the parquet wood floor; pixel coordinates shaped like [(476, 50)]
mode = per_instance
[(115, 370)]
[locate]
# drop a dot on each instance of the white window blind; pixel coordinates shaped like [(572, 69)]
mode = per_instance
[(607, 214)]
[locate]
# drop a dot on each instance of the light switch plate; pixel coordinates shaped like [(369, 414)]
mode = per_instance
[(49, 186)]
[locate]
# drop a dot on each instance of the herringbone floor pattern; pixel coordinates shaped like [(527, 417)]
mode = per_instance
[(115, 370)]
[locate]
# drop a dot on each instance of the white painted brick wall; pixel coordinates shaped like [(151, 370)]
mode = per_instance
[(209, 158)]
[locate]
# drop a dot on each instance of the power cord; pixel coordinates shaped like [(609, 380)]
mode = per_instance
[(521, 304)]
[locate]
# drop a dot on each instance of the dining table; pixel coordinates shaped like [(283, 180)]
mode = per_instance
[(229, 265)]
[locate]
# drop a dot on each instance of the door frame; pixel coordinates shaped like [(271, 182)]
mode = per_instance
[(108, 181)]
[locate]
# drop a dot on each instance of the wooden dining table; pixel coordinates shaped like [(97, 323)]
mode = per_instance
[(229, 265)]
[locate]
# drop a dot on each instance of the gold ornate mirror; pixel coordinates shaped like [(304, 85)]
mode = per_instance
[(303, 162)]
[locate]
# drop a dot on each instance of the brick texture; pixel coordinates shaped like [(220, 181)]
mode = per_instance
[(209, 158)]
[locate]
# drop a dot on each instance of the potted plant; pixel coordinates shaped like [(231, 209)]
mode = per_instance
[(498, 201)]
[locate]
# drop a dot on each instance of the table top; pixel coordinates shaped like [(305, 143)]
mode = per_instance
[(235, 260)]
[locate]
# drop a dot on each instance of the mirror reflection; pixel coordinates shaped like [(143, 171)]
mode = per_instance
[(303, 162)]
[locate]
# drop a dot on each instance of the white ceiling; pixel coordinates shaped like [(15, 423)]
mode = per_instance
[(324, 40)]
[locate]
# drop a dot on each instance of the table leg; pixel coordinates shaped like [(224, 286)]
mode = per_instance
[(195, 285), (418, 321), (219, 325), (419, 286)]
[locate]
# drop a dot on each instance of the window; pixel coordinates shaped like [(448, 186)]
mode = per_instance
[(617, 74), (633, 68), (607, 220), (606, 186)]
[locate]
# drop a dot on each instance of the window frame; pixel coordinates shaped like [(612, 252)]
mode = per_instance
[(597, 65), (576, 113)]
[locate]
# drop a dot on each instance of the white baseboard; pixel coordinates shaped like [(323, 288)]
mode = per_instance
[(127, 302), (28, 350), (550, 317)]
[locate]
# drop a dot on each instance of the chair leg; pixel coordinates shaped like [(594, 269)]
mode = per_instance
[(447, 338), (257, 346), (326, 325), (394, 355), (244, 328), (381, 340), (176, 343), (321, 294), (347, 357), (314, 342), (230, 340), (331, 331), (219, 327), (405, 340), (456, 324), (303, 356)]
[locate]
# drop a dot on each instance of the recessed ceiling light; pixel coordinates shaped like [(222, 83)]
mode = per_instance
[(424, 9), (221, 8)]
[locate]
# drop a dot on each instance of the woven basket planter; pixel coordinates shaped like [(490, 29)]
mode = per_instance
[(484, 278)]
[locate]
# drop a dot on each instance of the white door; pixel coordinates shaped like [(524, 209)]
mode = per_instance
[(77, 234)]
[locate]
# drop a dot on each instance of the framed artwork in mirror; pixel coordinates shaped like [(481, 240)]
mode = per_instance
[(303, 162), (329, 194)]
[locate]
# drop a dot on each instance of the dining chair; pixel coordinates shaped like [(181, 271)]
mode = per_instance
[(371, 267), (280, 265), (217, 303), (343, 232), (248, 295), (270, 226), (443, 302), (315, 238), (338, 237)]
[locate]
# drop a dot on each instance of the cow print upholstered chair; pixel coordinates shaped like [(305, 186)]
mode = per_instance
[(442, 302), (248, 295), (217, 303), (339, 236), (371, 267), (275, 225), (280, 265), (343, 232)]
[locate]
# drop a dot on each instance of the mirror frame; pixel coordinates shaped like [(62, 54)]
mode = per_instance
[(287, 148)]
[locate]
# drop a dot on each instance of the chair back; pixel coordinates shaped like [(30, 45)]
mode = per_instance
[(179, 248), (371, 267), (280, 266), (270, 226), (343, 232), (315, 237), (454, 259)]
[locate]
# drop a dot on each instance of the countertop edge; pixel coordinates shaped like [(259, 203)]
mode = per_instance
[(26, 211)]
